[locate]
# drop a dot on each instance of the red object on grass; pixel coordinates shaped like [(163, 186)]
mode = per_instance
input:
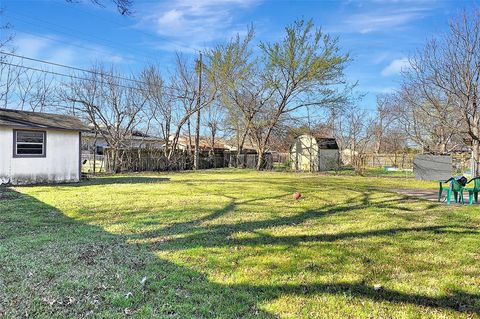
[(297, 195)]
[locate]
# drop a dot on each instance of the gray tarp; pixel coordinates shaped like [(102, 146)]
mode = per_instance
[(432, 167)]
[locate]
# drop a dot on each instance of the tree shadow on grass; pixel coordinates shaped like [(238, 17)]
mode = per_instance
[(55, 266), (209, 239), (186, 227), (7, 194), (194, 234), (458, 300), (111, 180)]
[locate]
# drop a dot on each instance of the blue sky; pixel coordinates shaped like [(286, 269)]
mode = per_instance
[(379, 34)]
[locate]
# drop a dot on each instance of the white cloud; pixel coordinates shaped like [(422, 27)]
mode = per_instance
[(372, 23), (63, 51), (378, 57), (63, 55), (187, 24), (379, 89), (383, 21), (30, 45), (395, 67), (382, 15)]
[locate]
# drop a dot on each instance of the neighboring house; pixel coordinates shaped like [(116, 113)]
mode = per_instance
[(221, 145), (39, 147), (92, 141), (138, 140), (204, 143), (309, 153), (247, 148)]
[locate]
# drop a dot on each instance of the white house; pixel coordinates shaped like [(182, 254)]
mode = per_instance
[(309, 153), (39, 147)]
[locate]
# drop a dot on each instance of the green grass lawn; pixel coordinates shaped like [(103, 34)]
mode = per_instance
[(235, 244)]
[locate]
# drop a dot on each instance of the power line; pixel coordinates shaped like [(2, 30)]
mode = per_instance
[(103, 52), (104, 19), (63, 74), (76, 69), (81, 78), (69, 67), (77, 35)]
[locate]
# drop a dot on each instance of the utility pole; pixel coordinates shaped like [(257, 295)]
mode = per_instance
[(196, 156)]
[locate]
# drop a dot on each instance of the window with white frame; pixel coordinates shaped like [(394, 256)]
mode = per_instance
[(29, 143)]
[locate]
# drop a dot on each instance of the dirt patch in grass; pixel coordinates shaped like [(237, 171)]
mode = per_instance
[(428, 194)]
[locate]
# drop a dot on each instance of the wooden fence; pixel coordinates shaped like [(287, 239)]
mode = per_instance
[(248, 161), (149, 160), (141, 160)]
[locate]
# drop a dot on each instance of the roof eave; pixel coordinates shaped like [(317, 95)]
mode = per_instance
[(27, 126)]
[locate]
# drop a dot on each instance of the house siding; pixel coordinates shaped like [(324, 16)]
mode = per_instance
[(58, 166)]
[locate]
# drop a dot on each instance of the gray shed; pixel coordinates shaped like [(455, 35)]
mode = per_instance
[(309, 153)]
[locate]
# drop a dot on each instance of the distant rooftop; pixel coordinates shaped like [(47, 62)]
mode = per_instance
[(24, 119)]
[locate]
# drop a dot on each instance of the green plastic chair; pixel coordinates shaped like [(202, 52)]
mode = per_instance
[(473, 190), (455, 187)]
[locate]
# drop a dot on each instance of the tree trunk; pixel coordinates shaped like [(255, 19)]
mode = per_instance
[(189, 132), (262, 144), (240, 149), (475, 136), (260, 160), (116, 160), (377, 153), (212, 149), (196, 156), (475, 158)]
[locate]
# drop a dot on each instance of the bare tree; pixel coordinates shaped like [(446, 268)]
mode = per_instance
[(387, 135), (160, 100), (24, 89), (172, 104), (9, 77), (382, 123), (36, 91), (428, 122), (214, 118), (114, 107), (8, 73), (448, 70), (21, 88), (352, 132), (124, 7), (185, 83)]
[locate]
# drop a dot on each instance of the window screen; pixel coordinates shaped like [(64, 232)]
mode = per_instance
[(29, 143)]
